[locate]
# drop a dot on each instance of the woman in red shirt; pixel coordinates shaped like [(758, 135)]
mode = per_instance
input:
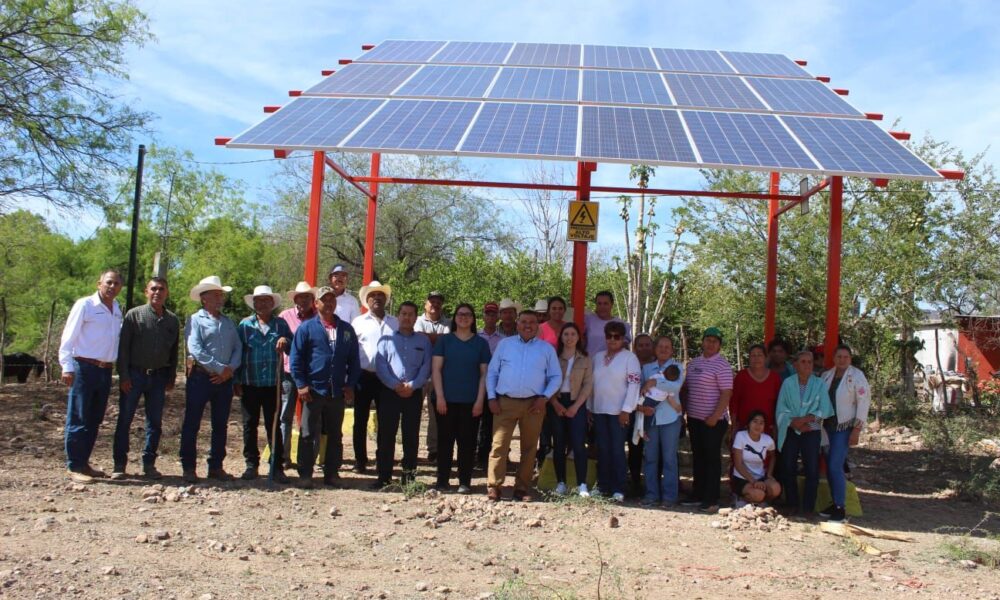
[(755, 388)]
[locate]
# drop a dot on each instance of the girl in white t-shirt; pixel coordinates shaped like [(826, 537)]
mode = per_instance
[(753, 473)]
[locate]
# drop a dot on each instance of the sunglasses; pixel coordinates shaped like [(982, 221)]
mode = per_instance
[(613, 336), (464, 314)]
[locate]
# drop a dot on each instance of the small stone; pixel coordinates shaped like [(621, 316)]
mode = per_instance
[(739, 547), (421, 586), (613, 522), (110, 571), (385, 508), (161, 534), (78, 487), (442, 589), (334, 511), (533, 523), (244, 557), (151, 499), (715, 524), (213, 512), (142, 538), (206, 597), (969, 564), (172, 497), (442, 518), (45, 523)]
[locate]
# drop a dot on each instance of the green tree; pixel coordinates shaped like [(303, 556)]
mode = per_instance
[(64, 135)]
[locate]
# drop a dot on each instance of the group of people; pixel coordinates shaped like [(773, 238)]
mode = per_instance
[(572, 390)]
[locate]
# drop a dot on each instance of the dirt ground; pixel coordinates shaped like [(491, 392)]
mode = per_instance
[(246, 540)]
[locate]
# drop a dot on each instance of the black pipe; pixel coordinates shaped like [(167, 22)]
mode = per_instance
[(134, 247)]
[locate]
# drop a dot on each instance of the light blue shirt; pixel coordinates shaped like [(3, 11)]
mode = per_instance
[(214, 343), (403, 358), (665, 414), (521, 369)]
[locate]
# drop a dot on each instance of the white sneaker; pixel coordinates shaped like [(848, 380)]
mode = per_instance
[(583, 491), (618, 497), (561, 488)]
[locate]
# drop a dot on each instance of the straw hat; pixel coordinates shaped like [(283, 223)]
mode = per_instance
[(541, 306), (208, 284), (301, 287), (374, 286), (262, 290), (508, 303)]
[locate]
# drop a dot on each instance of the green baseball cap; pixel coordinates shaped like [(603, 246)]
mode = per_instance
[(712, 332)]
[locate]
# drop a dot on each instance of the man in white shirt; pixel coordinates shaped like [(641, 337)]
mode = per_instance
[(370, 328), (88, 350), (433, 324), (348, 308)]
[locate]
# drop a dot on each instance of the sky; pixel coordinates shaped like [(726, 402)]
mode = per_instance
[(934, 66)]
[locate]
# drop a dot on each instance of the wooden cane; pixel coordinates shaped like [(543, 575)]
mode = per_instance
[(275, 425)]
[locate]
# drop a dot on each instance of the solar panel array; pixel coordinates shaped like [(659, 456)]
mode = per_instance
[(700, 108)]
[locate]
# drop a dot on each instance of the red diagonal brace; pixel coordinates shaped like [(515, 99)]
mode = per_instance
[(347, 177)]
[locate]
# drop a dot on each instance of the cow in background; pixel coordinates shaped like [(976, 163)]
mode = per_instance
[(21, 364)]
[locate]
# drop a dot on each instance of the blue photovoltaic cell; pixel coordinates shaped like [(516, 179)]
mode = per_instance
[(524, 129), (401, 51), (537, 84), (362, 79), (545, 55), (802, 96), (310, 123), (415, 125), (618, 57), (741, 139), (754, 63), (474, 53), (856, 146), (691, 61), (625, 87), (616, 133), (712, 91), (449, 82)]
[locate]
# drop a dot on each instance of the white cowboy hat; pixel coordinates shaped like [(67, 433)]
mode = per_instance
[(301, 287), (541, 306), (208, 284), (374, 286), (262, 290), (508, 303)]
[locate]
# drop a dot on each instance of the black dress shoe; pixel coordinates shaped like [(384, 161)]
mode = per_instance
[(360, 469)]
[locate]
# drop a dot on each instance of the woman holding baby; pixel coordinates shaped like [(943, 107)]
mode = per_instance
[(661, 424)]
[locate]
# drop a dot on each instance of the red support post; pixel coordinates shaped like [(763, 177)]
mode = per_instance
[(771, 294), (579, 291), (833, 270), (369, 262), (312, 232)]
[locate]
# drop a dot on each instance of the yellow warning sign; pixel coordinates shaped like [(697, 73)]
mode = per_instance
[(582, 224)]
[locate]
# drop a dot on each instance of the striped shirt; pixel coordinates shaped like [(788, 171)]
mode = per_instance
[(706, 379), (260, 355), (293, 320)]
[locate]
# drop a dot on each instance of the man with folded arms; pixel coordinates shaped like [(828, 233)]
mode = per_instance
[(303, 299), (523, 374), (215, 348), (88, 350), (147, 367)]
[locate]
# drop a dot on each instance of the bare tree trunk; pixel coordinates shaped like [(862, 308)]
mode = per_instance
[(905, 363), (937, 358), (739, 354), (3, 334), (48, 340), (684, 346)]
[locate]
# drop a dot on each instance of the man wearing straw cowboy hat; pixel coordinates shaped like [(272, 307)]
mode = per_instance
[(432, 323), (303, 301), (348, 308), (370, 327), (265, 340), (214, 345)]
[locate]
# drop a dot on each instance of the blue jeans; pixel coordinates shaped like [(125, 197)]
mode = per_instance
[(839, 441), (611, 465), (201, 391), (807, 445), (88, 400), (153, 387), (574, 431), (661, 447)]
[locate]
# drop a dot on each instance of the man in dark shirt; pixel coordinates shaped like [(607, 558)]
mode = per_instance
[(147, 366)]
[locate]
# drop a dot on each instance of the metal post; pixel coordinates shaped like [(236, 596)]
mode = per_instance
[(134, 245), (369, 260), (315, 204), (833, 270), (771, 295), (579, 292)]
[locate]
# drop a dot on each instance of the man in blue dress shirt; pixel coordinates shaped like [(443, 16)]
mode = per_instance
[(523, 374)]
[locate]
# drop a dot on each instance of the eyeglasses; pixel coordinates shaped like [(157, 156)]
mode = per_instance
[(613, 336), (157, 288), (464, 314)]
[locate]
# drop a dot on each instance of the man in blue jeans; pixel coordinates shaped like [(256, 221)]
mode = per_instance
[(215, 347), (147, 366), (87, 351)]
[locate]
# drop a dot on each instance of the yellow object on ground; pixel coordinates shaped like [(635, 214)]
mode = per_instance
[(547, 476), (824, 499), (347, 429)]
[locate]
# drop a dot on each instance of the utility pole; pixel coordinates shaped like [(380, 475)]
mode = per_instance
[(134, 246)]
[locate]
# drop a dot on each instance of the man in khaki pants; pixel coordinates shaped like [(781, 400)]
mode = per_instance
[(523, 374)]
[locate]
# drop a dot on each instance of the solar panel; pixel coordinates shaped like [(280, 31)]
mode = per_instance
[(712, 91), (536, 84), (401, 51), (625, 87), (691, 61), (365, 80), (617, 133), (801, 96), (308, 122), (449, 82), (474, 53), (545, 55), (618, 57), (856, 147), (432, 125), (542, 130), (754, 63), (742, 139)]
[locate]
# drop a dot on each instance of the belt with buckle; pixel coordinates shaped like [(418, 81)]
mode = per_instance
[(93, 361)]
